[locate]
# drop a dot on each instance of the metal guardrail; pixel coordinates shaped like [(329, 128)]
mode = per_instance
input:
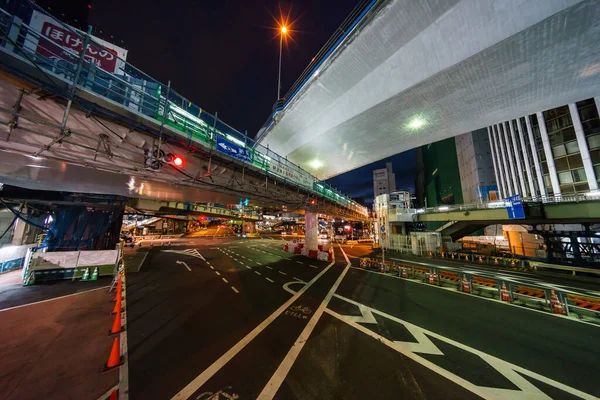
[(139, 93)]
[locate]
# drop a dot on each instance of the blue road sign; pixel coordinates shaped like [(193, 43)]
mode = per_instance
[(233, 150), (515, 207)]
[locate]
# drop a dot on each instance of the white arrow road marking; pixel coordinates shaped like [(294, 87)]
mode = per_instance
[(184, 264)]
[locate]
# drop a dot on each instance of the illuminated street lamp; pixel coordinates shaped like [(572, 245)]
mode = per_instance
[(283, 31)]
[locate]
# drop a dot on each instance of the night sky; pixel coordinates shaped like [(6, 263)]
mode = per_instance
[(223, 56)]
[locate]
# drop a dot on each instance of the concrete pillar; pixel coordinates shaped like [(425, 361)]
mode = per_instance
[(311, 230), (526, 158), (509, 190), (249, 226), (494, 161), (583, 148), (548, 153), (536, 159), (520, 171), (510, 155)]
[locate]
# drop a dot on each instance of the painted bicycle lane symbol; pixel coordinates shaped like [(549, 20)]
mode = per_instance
[(299, 311)]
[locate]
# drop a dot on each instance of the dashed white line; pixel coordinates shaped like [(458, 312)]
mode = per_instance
[(270, 280), (234, 289), (257, 273), (314, 266), (250, 260), (217, 272), (298, 279), (224, 280), (299, 262), (269, 267), (247, 267), (259, 264), (211, 267), (282, 273)]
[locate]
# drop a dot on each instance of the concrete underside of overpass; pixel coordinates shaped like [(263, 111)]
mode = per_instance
[(457, 65), (105, 156)]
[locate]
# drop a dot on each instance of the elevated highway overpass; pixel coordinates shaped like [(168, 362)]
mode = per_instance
[(70, 125), (400, 74)]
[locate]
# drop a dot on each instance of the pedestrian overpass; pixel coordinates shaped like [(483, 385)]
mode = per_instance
[(72, 124)]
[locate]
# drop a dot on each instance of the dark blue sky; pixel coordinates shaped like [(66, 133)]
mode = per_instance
[(358, 183)]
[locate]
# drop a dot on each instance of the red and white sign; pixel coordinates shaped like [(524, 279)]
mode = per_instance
[(64, 44)]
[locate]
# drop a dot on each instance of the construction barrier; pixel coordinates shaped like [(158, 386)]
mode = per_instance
[(449, 278)]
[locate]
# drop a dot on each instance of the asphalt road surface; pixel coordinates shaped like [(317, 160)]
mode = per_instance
[(225, 318)]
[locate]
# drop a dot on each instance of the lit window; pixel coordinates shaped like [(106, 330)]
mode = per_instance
[(579, 175), (565, 177)]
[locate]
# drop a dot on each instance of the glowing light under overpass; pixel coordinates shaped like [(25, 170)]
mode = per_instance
[(416, 123), (316, 164)]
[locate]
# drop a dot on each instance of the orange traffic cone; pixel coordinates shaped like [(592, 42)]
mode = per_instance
[(466, 285), (452, 256), (117, 307), (505, 294), (404, 272), (114, 395), (557, 307), (480, 259), (286, 247), (119, 290), (496, 261), (114, 359), (116, 326)]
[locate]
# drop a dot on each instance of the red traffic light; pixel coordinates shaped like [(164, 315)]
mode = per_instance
[(313, 202), (178, 161)]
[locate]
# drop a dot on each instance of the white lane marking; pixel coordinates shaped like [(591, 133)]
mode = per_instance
[(217, 272), (259, 264), (224, 280), (270, 280), (284, 368), (510, 371), (269, 267), (56, 298), (235, 259), (211, 267), (282, 273), (314, 266), (257, 273), (142, 263), (299, 262), (243, 257), (208, 373), (187, 266), (299, 280), (250, 260), (234, 289), (248, 267)]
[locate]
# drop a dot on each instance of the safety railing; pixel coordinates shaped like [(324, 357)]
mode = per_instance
[(58, 50), (576, 198)]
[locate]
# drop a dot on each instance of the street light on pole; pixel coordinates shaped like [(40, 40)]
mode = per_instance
[(282, 32)]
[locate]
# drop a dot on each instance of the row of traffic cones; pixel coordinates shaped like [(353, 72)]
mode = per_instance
[(115, 360), (86, 275)]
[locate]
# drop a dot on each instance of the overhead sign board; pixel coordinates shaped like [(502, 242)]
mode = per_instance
[(233, 150), (514, 207), (293, 174)]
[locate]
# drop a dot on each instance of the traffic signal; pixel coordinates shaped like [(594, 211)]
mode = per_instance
[(156, 159), (313, 202)]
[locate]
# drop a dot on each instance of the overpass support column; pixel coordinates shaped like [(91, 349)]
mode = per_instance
[(311, 230), (249, 226)]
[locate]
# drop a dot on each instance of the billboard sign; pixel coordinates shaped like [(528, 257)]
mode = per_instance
[(233, 150), (65, 45)]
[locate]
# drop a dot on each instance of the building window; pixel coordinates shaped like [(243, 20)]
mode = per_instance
[(579, 175), (565, 177), (593, 142), (572, 147), (559, 151)]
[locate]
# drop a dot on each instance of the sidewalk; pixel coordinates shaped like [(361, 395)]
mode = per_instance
[(56, 349)]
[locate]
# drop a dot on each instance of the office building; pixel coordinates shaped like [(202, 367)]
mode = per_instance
[(475, 166), (554, 152), (384, 180)]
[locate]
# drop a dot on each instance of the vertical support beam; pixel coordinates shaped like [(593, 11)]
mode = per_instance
[(520, 171), (311, 230), (548, 153), (536, 159), (583, 148), (494, 161), (526, 158), (511, 155), (509, 189)]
